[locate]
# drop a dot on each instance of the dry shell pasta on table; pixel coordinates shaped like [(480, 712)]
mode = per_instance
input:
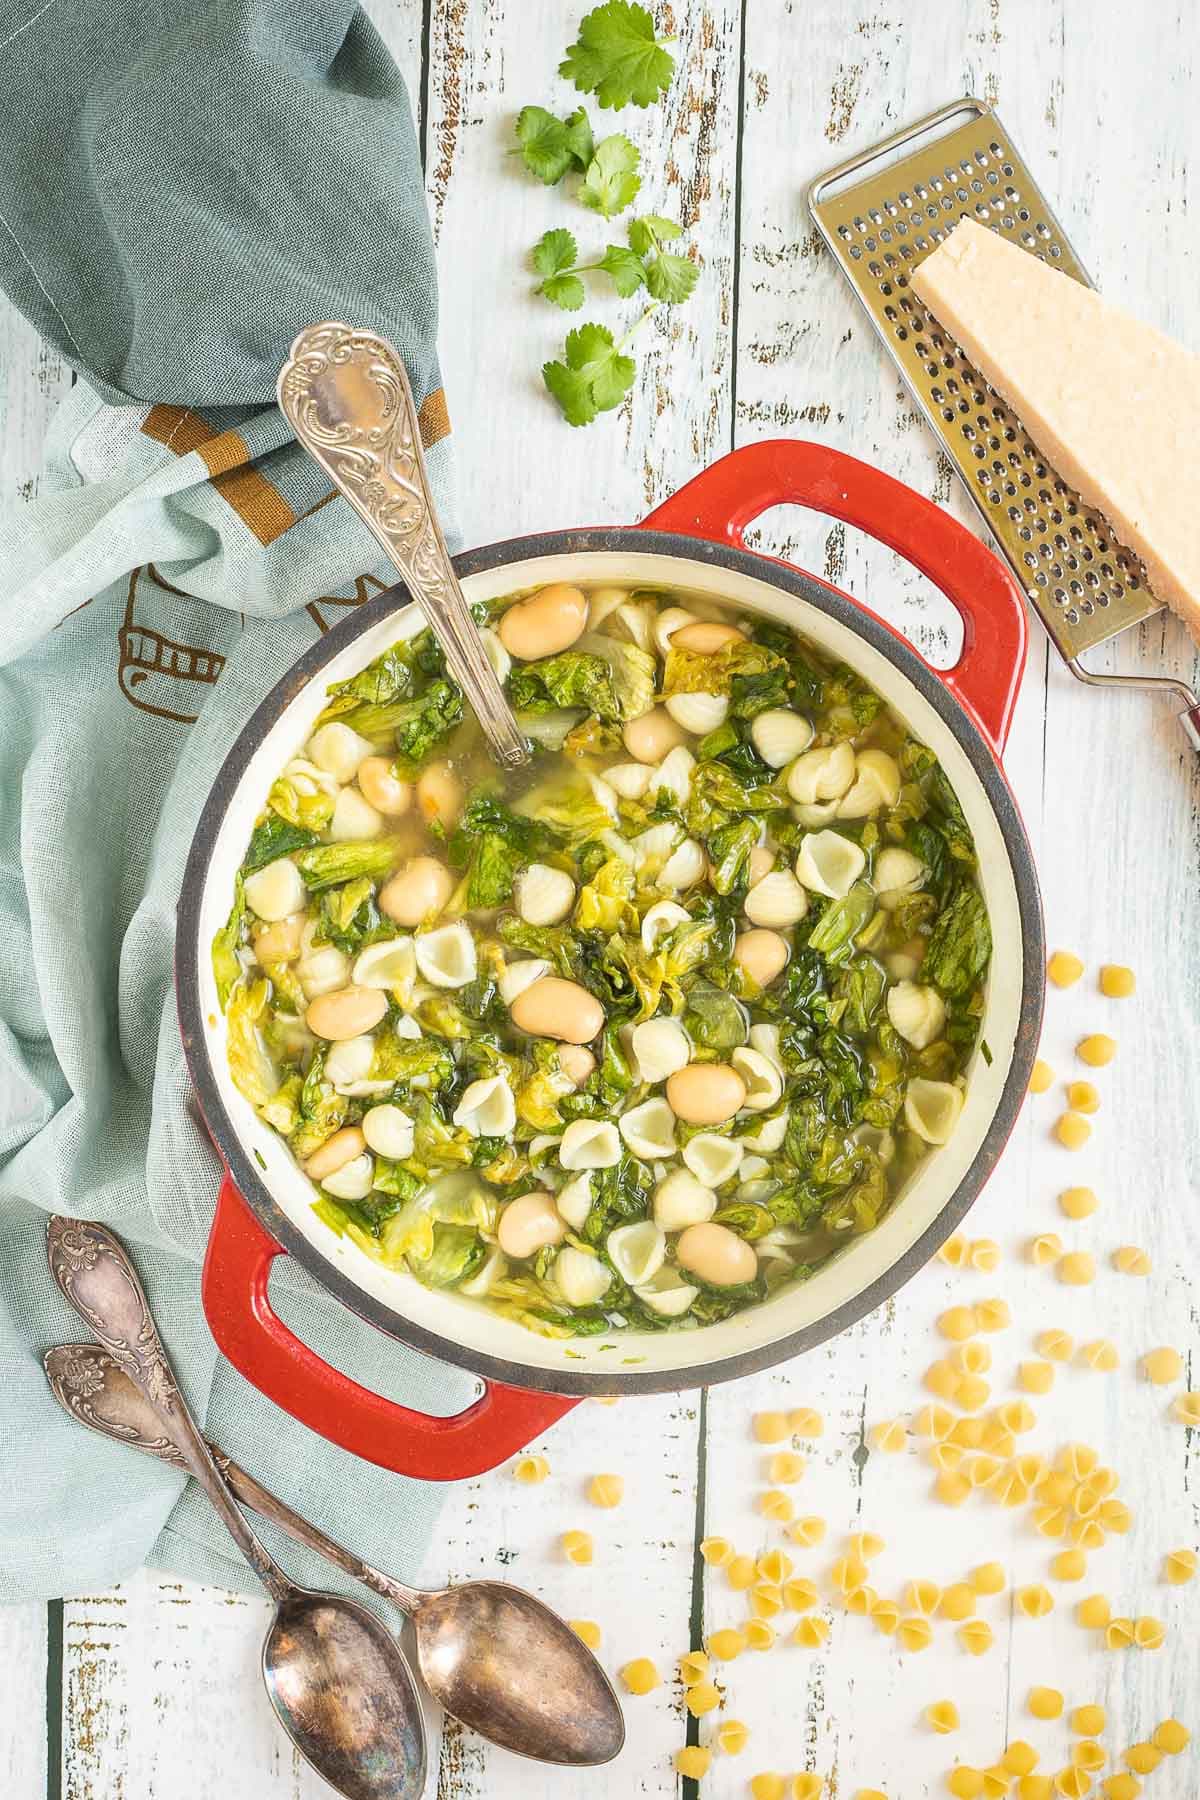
[(638, 1036)]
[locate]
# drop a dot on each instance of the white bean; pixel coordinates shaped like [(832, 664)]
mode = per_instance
[(347, 1013), (548, 622), (528, 1224), (417, 892), (653, 736), (335, 1153), (280, 942), (560, 1009), (439, 795), (717, 1255), (705, 637), (383, 788), (762, 955), (706, 1093)]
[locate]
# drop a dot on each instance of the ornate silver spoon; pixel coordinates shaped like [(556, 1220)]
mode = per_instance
[(336, 1678), (346, 395), (494, 1657)]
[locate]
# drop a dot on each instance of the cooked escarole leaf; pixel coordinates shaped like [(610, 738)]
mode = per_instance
[(572, 679), (300, 800), (273, 837), (250, 1064), (421, 725), (959, 944), (493, 844), (694, 672), (328, 865), (227, 942), (348, 916), (631, 670)]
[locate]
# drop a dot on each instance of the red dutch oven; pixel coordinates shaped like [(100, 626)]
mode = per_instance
[(693, 545)]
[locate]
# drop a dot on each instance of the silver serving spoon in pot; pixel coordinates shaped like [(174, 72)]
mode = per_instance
[(346, 395), (496, 1658), (337, 1679)]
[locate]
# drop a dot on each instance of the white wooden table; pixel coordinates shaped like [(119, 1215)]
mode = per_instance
[(150, 1692)]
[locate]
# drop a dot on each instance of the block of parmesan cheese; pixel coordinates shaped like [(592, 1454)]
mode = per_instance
[(1112, 403)]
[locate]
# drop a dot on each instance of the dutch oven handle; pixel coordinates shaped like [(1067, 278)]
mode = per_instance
[(256, 1341), (725, 499)]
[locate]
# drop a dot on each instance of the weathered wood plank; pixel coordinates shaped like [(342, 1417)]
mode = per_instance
[(23, 1715), (520, 467)]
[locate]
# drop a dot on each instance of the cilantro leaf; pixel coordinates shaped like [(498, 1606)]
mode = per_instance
[(651, 232), (551, 146), (594, 377), (554, 252), (611, 180), (671, 278), (627, 270), (617, 56), (553, 257)]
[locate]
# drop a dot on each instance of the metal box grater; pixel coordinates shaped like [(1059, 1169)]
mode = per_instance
[(953, 164)]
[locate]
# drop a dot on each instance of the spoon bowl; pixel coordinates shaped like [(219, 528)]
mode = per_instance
[(345, 1695), (490, 1650)]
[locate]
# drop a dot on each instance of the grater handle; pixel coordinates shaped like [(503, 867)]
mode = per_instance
[(723, 501)]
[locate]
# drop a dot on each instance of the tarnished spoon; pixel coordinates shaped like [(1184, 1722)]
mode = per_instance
[(345, 394), (336, 1678), (496, 1658)]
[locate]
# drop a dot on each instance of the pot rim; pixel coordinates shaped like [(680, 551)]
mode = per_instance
[(804, 586)]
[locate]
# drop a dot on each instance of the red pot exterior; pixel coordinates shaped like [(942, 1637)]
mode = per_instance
[(716, 508)]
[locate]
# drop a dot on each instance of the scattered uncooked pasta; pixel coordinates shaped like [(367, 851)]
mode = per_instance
[(806, 1422), (640, 1676), (957, 1322), (1072, 1783), (693, 1667), (759, 1634), (811, 1632), (701, 1698), (768, 1787), (972, 1358), (954, 1250), (1121, 1786), (1072, 1130), (1171, 1737), (1130, 1259), (1148, 1633), (1044, 1249), (732, 1736), (1116, 981), (1187, 1407), (529, 1470), (1161, 1366), (725, 1645), (889, 1436), (799, 1595), (785, 1466), (771, 1427), (587, 1630), (809, 1530), (1088, 1721), (1078, 1202), (1094, 1612), (964, 1782), (1042, 1078), (1055, 1344), (922, 1596), (992, 1315), (942, 1716), (971, 1392), (1064, 968), (915, 1633), (1034, 1600), (1069, 1565), (740, 1573), (1143, 1759), (1036, 1377), (957, 1601), (1179, 1566), (1045, 1702), (774, 1565), (577, 1546), (606, 1490), (693, 1761), (848, 1572), (1100, 1354), (885, 1616), (1020, 1758), (866, 1544), (1097, 1051), (775, 1504), (1077, 1268), (1083, 1096), (984, 1253), (716, 1551), (766, 1599), (1118, 1634), (807, 1786), (975, 1636), (951, 1488)]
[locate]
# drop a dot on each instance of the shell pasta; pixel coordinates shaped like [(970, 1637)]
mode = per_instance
[(643, 1033)]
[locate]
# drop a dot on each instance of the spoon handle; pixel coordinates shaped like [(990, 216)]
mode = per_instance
[(346, 395), (89, 1384), (96, 1277)]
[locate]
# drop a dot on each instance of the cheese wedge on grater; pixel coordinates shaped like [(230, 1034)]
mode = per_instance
[(1111, 403)]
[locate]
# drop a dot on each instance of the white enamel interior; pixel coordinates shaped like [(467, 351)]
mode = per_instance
[(864, 1260)]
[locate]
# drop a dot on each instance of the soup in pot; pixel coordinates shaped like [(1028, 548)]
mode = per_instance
[(642, 1033)]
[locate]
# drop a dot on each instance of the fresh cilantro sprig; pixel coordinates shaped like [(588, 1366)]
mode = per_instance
[(611, 180), (595, 374), (643, 263), (550, 146), (618, 57)]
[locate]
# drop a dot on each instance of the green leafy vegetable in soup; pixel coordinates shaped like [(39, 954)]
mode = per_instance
[(638, 1036)]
